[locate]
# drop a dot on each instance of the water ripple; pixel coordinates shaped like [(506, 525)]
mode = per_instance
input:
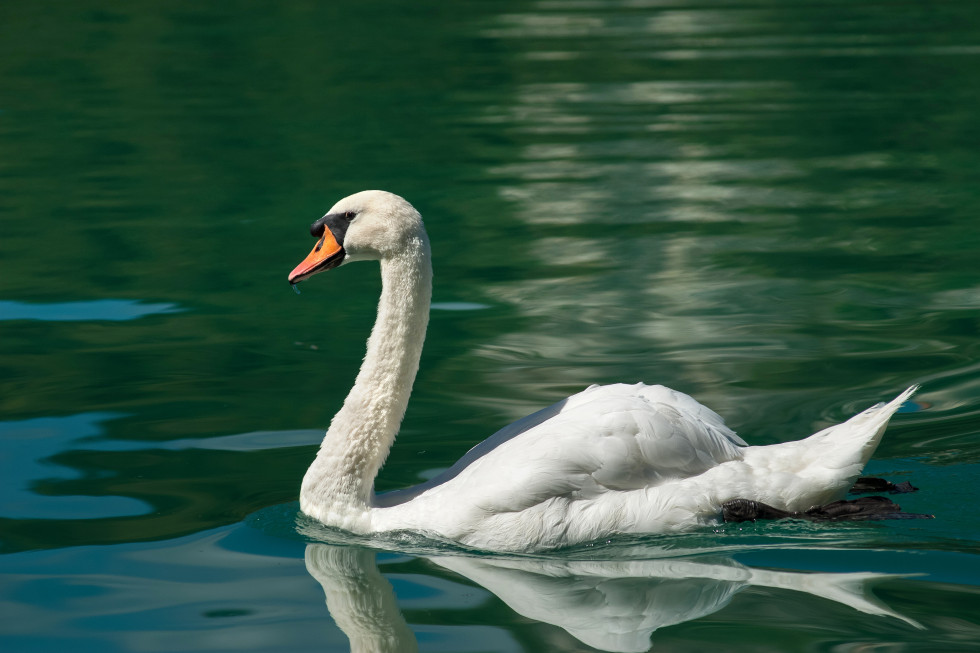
[(112, 310)]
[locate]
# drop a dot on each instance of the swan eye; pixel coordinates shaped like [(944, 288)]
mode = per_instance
[(350, 215)]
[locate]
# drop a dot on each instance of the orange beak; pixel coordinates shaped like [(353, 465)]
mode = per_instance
[(327, 254)]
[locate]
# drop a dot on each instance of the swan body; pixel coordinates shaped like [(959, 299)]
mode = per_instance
[(610, 459)]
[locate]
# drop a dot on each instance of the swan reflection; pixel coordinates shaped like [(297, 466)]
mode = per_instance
[(609, 605), (359, 599)]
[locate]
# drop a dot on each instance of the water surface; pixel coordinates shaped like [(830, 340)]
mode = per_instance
[(770, 207)]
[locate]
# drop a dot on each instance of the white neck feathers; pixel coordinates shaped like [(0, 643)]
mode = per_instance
[(338, 487)]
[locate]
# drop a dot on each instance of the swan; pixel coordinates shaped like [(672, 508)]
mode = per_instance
[(611, 459)]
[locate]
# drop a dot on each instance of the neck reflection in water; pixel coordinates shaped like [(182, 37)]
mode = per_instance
[(609, 605)]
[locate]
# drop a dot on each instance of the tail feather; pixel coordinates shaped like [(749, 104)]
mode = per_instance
[(823, 467), (852, 443)]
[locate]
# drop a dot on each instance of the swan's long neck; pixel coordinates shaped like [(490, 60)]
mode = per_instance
[(338, 486)]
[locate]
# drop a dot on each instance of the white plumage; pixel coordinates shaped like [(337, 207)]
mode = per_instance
[(610, 459)]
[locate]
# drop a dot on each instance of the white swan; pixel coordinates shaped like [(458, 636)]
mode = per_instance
[(610, 459)]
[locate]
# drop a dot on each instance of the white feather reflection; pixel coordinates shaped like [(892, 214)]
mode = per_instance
[(359, 599), (613, 605)]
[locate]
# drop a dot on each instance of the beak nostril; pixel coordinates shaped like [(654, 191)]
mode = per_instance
[(316, 229)]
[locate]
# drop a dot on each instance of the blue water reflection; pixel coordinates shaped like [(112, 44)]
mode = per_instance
[(29, 462), (112, 310)]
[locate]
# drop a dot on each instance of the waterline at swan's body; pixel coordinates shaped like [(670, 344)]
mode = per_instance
[(610, 459)]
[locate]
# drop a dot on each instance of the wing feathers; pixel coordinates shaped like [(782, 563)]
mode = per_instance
[(617, 437)]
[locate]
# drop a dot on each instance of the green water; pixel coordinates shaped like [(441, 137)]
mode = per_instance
[(770, 206)]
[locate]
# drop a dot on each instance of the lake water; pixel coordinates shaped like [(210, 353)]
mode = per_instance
[(770, 206)]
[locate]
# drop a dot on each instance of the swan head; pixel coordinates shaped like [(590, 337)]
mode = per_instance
[(370, 225)]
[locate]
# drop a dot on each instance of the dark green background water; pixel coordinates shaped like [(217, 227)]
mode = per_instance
[(771, 206)]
